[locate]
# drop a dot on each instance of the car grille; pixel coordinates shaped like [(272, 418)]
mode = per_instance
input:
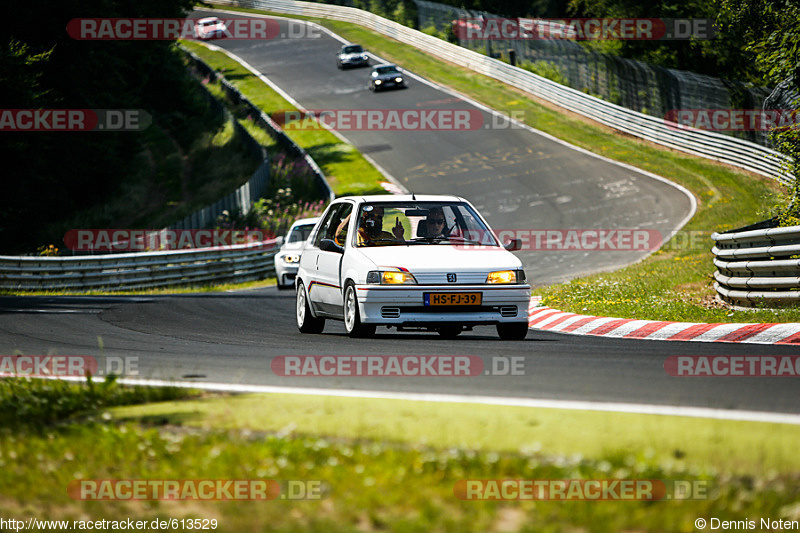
[(462, 278)]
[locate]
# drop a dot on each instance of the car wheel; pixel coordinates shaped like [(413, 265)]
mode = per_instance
[(306, 322), (512, 331), (282, 287), (450, 332), (352, 318)]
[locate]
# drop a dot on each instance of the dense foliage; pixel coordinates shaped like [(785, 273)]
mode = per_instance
[(49, 175)]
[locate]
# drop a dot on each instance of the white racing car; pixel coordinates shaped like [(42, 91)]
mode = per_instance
[(410, 262), (288, 257), (210, 28)]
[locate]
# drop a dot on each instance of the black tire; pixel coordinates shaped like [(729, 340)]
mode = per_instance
[(450, 332), (352, 318), (306, 322), (512, 331), (282, 287)]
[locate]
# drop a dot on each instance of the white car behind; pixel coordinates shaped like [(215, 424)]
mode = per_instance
[(373, 261), (288, 256)]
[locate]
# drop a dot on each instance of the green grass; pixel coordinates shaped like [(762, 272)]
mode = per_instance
[(705, 445), (392, 466), (671, 285), (346, 170)]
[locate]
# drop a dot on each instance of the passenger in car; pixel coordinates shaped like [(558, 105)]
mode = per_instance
[(435, 224)]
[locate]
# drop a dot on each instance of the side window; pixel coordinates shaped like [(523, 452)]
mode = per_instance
[(340, 229), (325, 227)]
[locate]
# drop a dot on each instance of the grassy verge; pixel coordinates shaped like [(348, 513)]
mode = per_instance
[(674, 284), (345, 168), (391, 466), (189, 289)]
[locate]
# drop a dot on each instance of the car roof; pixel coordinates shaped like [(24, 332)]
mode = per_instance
[(403, 198), (302, 221), (385, 65), (209, 19)]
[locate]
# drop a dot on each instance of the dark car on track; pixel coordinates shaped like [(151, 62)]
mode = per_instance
[(352, 55), (386, 77)]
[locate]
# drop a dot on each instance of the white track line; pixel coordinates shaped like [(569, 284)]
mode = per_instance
[(574, 405)]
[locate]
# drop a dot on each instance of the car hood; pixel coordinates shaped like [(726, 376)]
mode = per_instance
[(354, 55), (422, 258)]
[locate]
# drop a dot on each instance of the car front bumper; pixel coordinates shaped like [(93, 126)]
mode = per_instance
[(286, 274), (405, 305)]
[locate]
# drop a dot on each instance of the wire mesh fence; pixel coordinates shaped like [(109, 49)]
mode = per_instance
[(633, 84)]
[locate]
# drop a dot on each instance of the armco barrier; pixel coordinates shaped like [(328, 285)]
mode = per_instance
[(269, 125), (241, 199), (711, 145), (130, 271), (758, 266)]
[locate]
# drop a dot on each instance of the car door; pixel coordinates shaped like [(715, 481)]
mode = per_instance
[(309, 260), (329, 263)]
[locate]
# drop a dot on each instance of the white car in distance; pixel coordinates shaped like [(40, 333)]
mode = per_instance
[(413, 263), (210, 28), (288, 256)]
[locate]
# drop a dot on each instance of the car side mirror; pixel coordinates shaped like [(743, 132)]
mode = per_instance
[(329, 245), (513, 245)]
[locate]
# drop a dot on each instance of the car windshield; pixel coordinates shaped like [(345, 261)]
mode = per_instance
[(353, 49), (422, 223), (300, 233), (386, 70), (210, 23)]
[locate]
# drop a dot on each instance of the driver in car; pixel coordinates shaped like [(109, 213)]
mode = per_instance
[(370, 227)]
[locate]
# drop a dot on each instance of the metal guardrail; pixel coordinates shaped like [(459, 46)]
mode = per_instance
[(242, 198), (131, 271), (737, 152), (269, 125), (758, 266)]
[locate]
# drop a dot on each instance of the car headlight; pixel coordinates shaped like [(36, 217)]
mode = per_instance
[(377, 82), (398, 79), (506, 276), (390, 277), (364, 57), (291, 258)]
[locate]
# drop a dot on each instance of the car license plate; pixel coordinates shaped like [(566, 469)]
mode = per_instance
[(453, 298)]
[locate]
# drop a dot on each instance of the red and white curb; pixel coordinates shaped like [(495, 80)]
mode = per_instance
[(545, 318)]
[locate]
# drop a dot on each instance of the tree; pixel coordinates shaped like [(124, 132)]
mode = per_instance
[(771, 31)]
